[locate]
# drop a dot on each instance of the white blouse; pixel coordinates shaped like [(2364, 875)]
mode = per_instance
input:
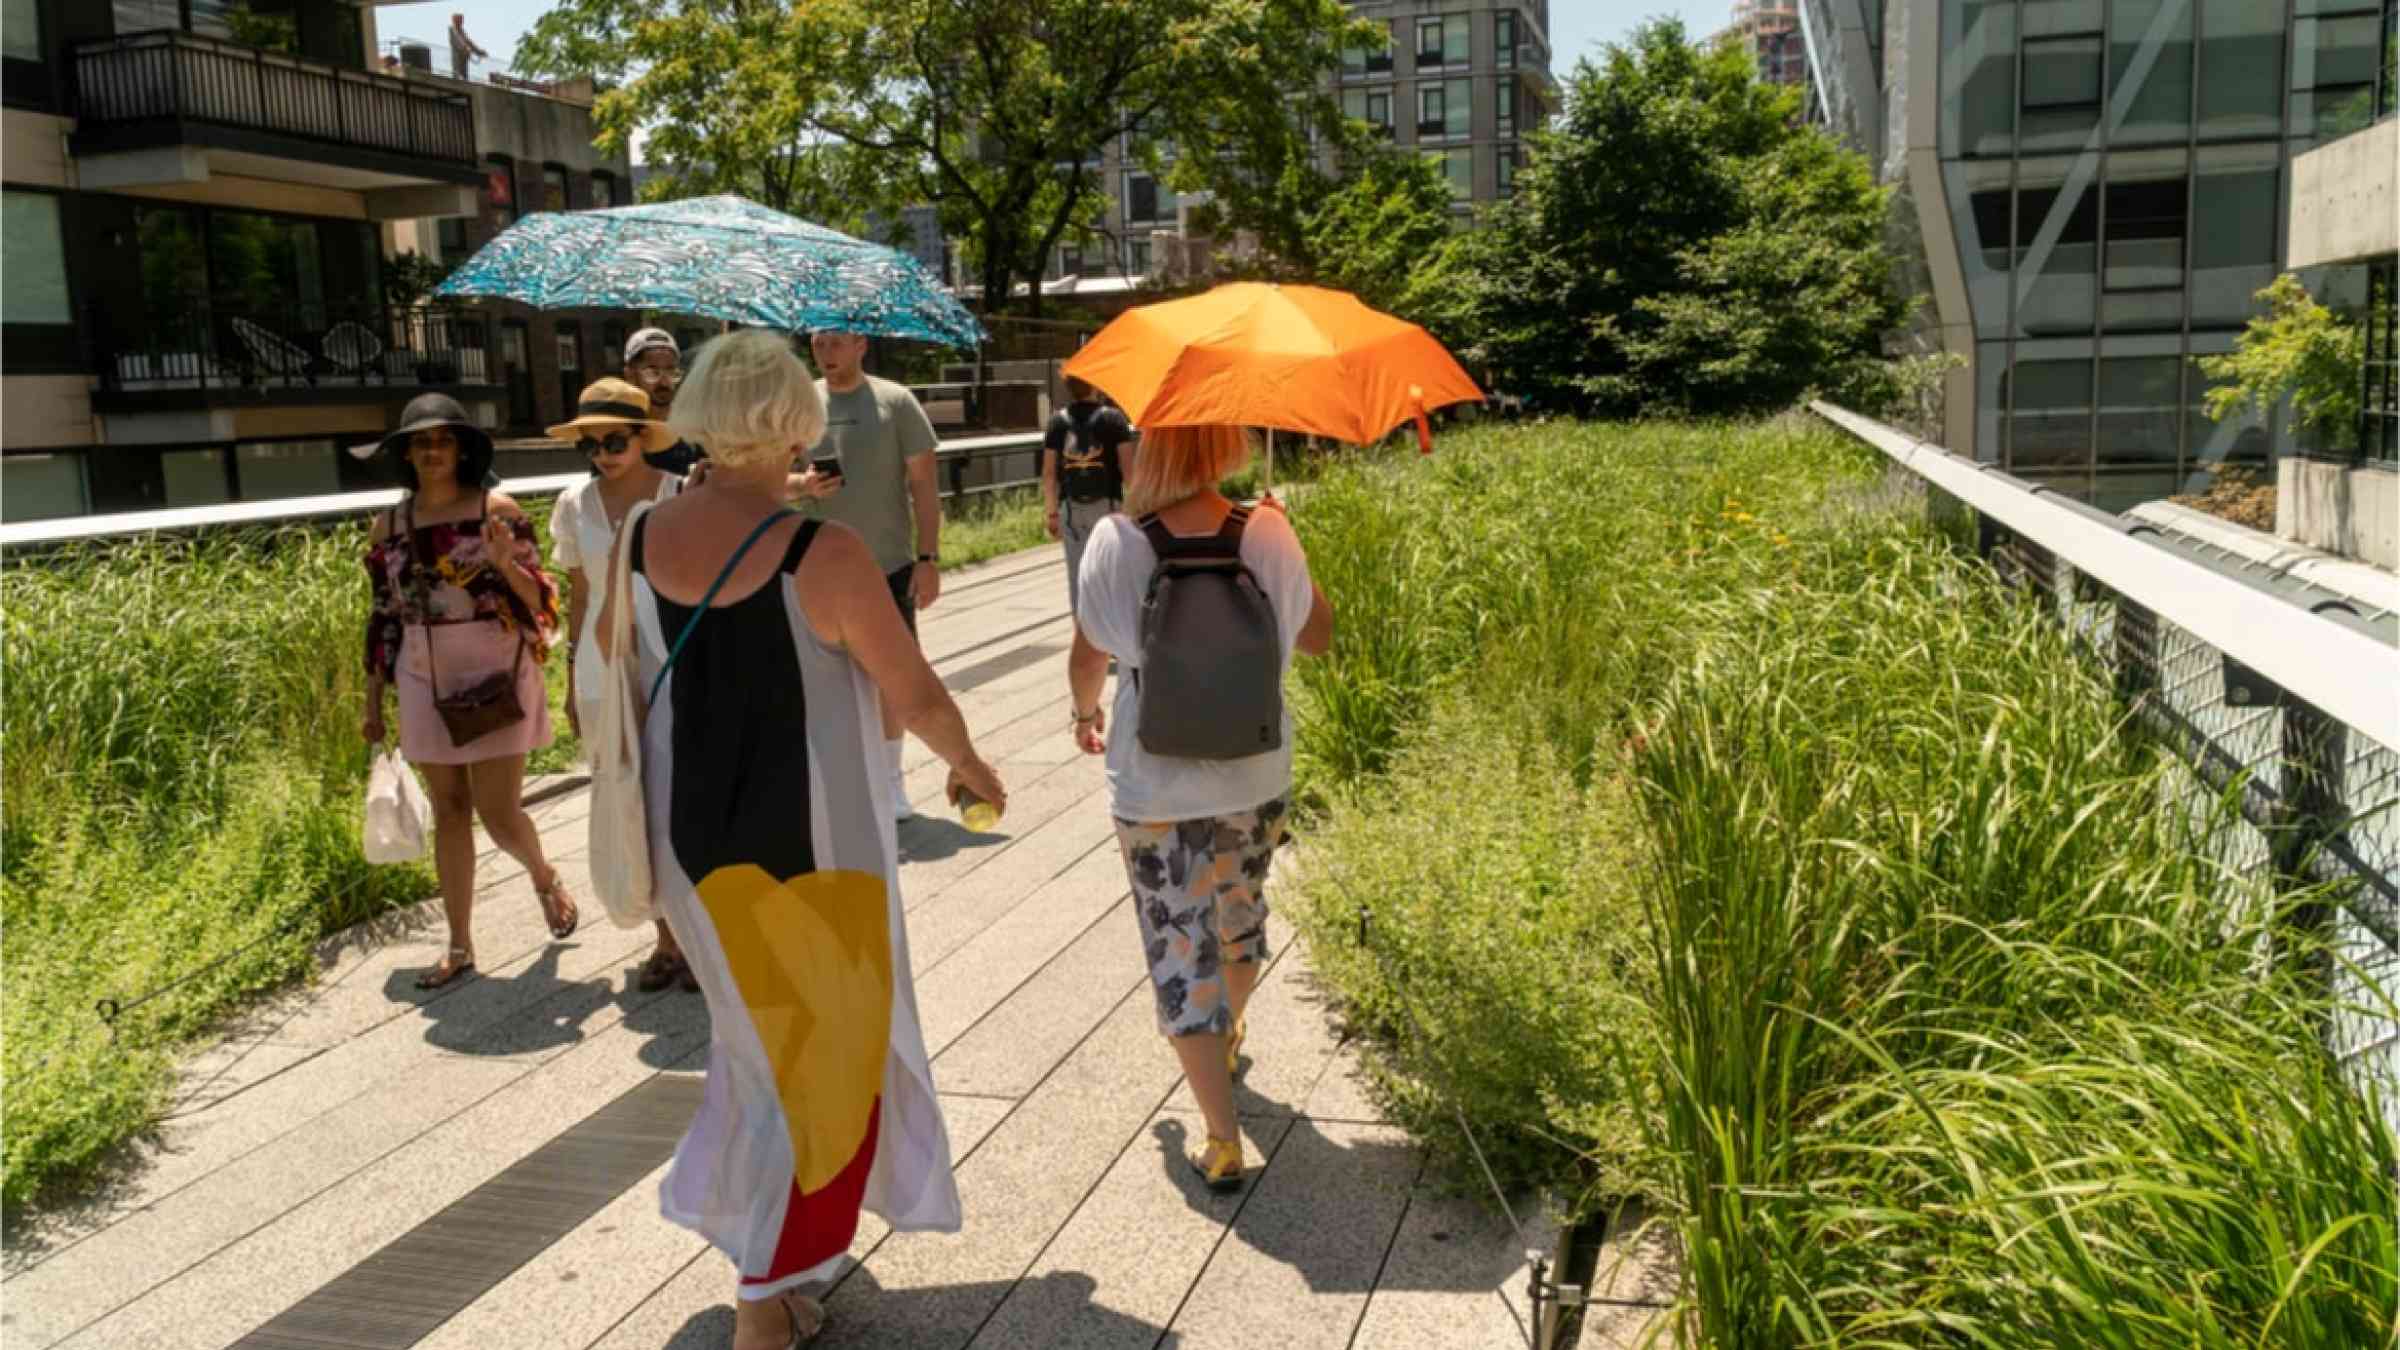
[(580, 539)]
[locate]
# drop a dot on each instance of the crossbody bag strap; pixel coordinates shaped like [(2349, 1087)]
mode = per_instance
[(416, 567), (705, 601)]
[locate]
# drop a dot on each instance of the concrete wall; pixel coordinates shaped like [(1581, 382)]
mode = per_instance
[(45, 410), (34, 147), (2341, 508), (2346, 199)]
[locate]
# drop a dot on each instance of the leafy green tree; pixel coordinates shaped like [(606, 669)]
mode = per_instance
[(1680, 243), (1000, 110), (2298, 347), (728, 95), (1370, 232)]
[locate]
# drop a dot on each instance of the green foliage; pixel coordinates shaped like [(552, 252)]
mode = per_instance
[(1505, 959), (1679, 244), (1961, 1035), (1887, 978), (1368, 233), (728, 97), (182, 781), (991, 525), (2299, 348), (411, 277)]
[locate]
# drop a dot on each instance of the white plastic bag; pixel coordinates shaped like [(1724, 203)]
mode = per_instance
[(395, 824), (620, 824)]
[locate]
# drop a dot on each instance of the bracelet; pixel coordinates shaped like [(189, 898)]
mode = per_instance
[(1085, 720)]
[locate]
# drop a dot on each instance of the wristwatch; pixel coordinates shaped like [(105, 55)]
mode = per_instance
[(929, 557)]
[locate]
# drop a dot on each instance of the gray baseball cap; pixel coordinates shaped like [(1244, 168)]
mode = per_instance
[(645, 340)]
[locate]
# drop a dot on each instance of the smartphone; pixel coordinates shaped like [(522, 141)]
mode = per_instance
[(826, 468)]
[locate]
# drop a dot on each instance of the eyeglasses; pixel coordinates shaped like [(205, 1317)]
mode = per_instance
[(657, 374), (614, 443)]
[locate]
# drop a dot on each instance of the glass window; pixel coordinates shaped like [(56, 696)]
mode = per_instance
[(2144, 211), (33, 260), (1979, 210), (1432, 99), (1504, 100), (2233, 231), (2241, 55), (554, 188), (453, 233), (1991, 400), (2333, 73), (1137, 257), (1504, 39), (142, 16), (604, 188), (287, 469), (41, 487), (1374, 59), (1141, 197), (2141, 401), (267, 265), (174, 271), (1981, 35), (1459, 167), (21, 30), (2244, 438), (194, 477), (2050, 406), (1442, 41), (1458, 108), (2150, 53), (2062, 72), (2057, 243)]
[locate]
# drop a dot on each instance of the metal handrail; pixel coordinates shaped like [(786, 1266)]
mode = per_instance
[(2344, 673), (333, 507)]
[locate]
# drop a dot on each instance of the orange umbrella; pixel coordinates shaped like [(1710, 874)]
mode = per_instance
[(1256, 354)]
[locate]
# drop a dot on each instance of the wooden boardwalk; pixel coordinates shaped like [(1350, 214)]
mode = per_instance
[(364, 1163)]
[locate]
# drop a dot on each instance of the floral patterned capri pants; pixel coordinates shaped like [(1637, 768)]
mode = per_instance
[(1199, 891)]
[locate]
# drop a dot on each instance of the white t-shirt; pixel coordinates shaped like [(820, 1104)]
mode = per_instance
[(581, 538), (1117, 562)]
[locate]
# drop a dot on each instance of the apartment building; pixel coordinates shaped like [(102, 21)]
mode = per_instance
[(1770, 31), (2097, 189), (1463, 81), (202, 198)]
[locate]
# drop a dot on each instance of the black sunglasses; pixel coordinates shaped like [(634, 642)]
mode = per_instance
[(614, 443)]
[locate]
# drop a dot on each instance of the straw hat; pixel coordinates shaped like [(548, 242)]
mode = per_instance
[(614, 405)]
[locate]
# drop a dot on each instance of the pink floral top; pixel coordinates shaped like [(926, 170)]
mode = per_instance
[(459, 585)]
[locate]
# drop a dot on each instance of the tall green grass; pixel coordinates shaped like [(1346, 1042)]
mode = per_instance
[(1924, 1022)]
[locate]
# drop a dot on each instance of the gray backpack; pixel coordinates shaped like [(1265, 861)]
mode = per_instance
[(1210, 682)]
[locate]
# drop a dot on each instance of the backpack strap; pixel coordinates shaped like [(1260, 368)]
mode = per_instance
[(1222, 547)]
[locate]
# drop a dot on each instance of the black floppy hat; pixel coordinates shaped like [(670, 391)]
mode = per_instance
[(426, 412)]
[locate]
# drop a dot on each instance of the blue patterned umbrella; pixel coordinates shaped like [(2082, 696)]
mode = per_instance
[(718, 257)]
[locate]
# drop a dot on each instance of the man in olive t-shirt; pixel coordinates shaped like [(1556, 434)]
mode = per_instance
[(877, 478)]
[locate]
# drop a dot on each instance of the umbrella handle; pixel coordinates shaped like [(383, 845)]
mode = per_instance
[(1416, 394)]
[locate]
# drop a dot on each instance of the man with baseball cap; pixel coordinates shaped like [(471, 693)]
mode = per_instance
[(654, 365)]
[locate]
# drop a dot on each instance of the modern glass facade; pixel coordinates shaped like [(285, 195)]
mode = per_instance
[(2116, 174)]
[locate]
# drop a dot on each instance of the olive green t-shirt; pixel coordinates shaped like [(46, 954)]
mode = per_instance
[(874, 429)]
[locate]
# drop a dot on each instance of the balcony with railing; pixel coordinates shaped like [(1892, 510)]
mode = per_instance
[(145, 91), (202, 355)]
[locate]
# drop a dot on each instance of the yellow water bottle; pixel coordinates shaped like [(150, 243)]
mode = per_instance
[(975, 813)]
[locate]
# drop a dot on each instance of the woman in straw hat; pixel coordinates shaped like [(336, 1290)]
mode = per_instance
[(462, 608), (614, 430)]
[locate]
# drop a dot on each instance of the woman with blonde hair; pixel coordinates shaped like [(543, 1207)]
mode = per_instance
[(1197, 835), (763, 641)]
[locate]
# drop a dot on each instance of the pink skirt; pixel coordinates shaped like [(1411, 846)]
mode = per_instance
[(468, 652)]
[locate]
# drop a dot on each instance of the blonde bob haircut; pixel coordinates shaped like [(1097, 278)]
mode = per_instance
[(1173, 463), (748, 400)]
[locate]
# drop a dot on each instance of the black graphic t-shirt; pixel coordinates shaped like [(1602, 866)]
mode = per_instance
[(676, 459), (1085, 437)]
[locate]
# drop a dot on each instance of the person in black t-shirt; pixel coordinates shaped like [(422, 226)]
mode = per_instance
[(654, 365), (1087, 454)]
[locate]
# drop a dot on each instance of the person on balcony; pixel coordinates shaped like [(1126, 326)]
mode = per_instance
[(615, 430), (462, 620), (764, 643), (462, 47)]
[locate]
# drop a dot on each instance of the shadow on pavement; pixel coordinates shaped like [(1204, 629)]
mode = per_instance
[(928, 838), (534, 1009), (865, 1314)]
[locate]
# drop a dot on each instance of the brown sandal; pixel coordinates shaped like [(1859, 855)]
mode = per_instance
[(554, 892), (659, 971), (449, 969), (804, 1328)]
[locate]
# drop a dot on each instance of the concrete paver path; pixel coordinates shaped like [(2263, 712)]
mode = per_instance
[(340, 1118)]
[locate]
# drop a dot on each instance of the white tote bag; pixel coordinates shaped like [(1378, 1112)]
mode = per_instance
[(620, 824), (394, 831)]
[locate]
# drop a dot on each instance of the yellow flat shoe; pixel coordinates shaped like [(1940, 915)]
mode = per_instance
[(1219, 1164)]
